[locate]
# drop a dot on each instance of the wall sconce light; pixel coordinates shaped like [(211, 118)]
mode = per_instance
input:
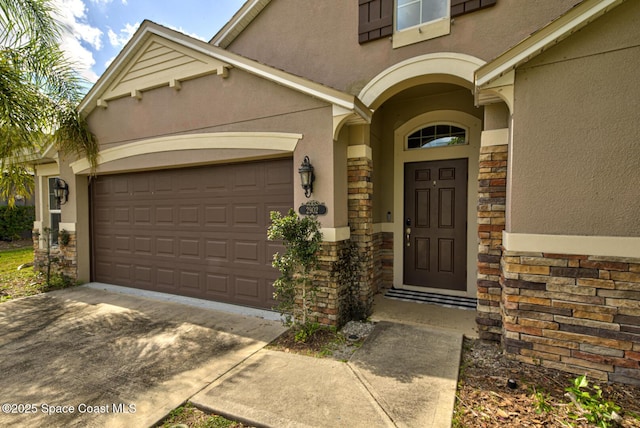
[(61, 191), (306, 176)]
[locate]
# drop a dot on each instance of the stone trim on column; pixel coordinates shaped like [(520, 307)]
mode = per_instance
[(492, 187), (360, 209), (64, 256)]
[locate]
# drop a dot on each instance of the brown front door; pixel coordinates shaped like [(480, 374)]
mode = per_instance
[(435, 226)]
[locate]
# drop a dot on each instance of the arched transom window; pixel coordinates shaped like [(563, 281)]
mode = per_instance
[(438, 135)]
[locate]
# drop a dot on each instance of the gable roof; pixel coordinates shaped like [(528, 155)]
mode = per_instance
[(158, 56), (238, 22), (573, 20)]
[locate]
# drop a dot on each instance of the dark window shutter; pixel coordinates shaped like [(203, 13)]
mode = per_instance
[(375, 19), (460, 7)]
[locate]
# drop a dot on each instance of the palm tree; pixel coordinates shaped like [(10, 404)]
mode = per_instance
[(39, 93)]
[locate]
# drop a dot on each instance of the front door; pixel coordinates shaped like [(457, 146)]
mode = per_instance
[(435, 224)]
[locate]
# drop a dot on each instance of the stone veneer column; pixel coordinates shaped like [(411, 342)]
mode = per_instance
[(360, 206), (64, 257), (492, 184), (331, 294)]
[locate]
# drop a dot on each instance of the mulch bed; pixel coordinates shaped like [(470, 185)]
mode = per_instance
[(539, 399)]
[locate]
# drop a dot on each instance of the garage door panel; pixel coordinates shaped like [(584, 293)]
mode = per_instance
[(142, 216), (123, 271), (199, 232), (103, 269), (189, 216), (246, 252), (246, 180), (166, 278), (122, 244), (215, 215), (141, 184), (278, 176), (247, 288), (165, 246), (190, 249), (143, 275), (216, 249), (217, 285), (163, 184), (164, 216), (120, 185), (246, 215), (190, 280)]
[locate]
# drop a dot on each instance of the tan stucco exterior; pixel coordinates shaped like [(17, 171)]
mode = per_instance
[(574, 171), (209, 105), (327, 49), (546, 91)]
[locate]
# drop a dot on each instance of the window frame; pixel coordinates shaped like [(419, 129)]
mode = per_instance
[(422, 31), (55, 211), (435, 124)]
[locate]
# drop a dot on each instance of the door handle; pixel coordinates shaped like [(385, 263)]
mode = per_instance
[(407, 232)]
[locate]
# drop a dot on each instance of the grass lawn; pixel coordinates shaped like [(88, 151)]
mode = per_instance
[(16, 283)]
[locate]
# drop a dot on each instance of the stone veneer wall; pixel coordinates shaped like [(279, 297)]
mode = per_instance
[(576, 313), (331, 294), (384, 260), (360, 206), (65, 257), (492, 187)]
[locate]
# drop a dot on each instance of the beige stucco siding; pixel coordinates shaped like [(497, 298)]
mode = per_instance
[(324, 37), (575, 157), (241, 102)]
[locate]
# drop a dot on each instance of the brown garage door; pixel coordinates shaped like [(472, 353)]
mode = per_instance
[(198, 232)]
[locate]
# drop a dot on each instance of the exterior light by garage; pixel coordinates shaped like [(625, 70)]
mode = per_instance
[(306, 176), (61, 191)]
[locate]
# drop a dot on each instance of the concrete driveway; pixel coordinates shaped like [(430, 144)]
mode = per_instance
[(87, 357)]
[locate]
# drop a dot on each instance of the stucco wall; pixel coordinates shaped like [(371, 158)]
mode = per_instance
[(319, 39), (240, 103), (575, 158)]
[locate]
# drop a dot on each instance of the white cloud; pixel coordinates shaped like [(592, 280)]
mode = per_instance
[(72, 15), (120, 39), (180, 29)]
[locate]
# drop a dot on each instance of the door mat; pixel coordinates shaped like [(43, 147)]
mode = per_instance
[(432, 298)]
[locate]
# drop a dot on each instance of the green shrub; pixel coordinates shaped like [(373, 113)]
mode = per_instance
[(302, 239), (16, 222), (591, 405)]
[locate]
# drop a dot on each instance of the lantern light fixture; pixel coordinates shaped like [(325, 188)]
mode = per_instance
[(306, 176), (61, 191)]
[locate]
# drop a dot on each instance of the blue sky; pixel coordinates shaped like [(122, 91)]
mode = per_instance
[(99, 29)]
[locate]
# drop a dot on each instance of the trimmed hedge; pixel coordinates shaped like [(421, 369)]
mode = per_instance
[(16, 222)]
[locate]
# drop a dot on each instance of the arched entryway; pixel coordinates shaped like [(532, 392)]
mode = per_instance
[(425, 143)]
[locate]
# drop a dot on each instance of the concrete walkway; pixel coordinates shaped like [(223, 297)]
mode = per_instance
[(402, 376), (98, 357)]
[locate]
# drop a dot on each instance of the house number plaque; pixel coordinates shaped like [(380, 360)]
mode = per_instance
[(313, 208)]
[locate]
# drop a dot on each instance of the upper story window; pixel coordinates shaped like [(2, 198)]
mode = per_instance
[(416, 12), (411, 21), (440, 135)]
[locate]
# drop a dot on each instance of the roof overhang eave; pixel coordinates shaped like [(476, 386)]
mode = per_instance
[(556, 31)]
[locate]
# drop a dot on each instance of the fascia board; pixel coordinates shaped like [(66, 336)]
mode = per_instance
[(238, 22), (556, 31)]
